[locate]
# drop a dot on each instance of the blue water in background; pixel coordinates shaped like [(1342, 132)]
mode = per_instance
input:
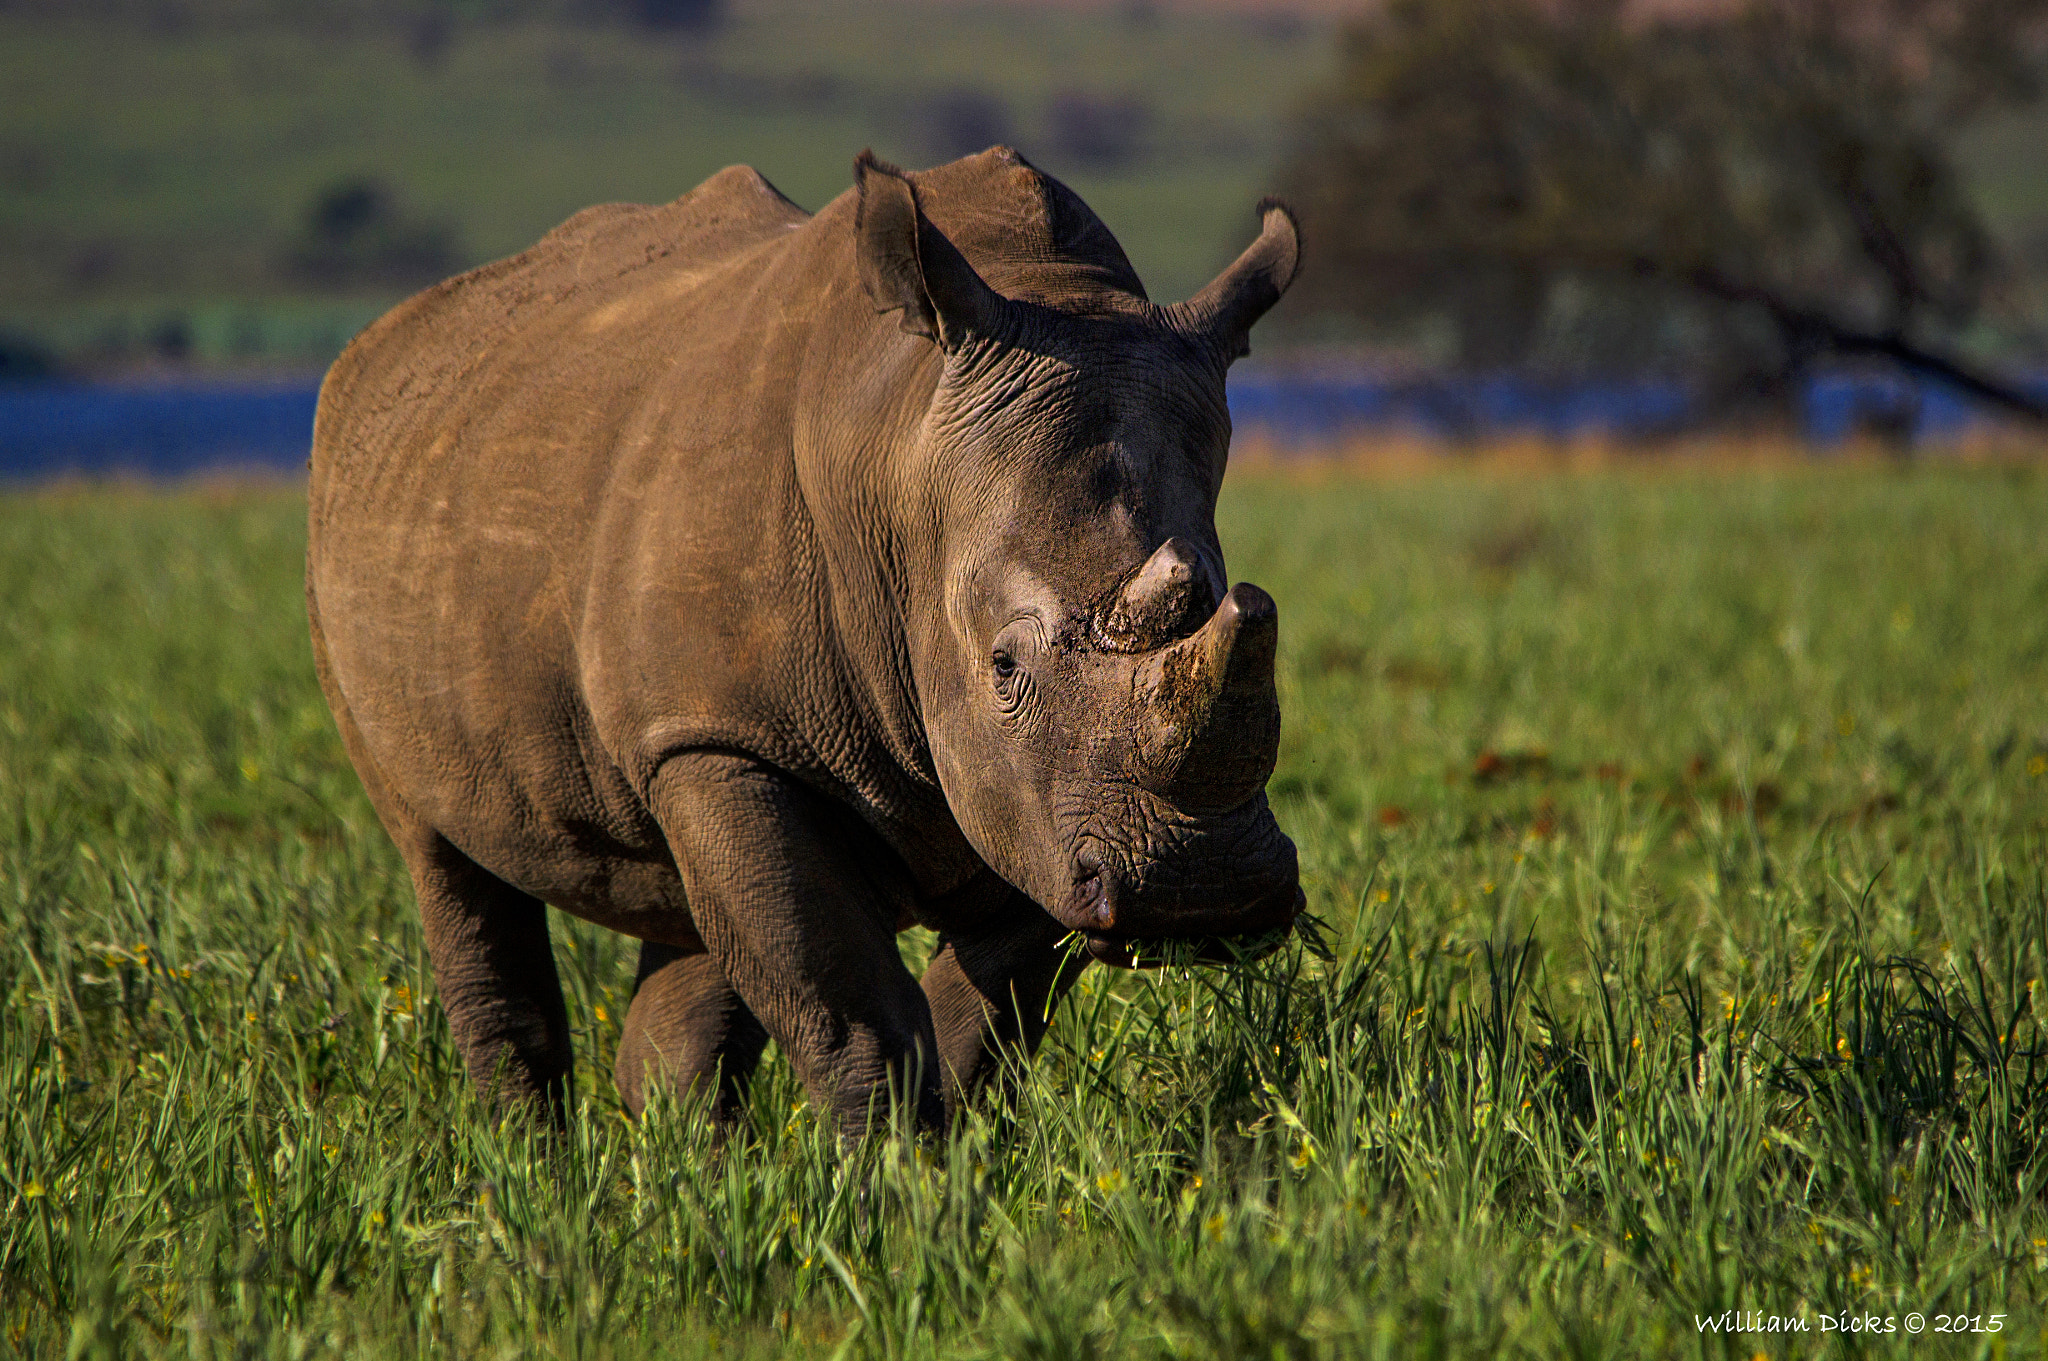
[(1310, 410), (168, 429), (154, 430), (1315, 410)]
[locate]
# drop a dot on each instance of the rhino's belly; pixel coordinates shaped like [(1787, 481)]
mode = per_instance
[(550, 831), (493, 748), (551, 828)]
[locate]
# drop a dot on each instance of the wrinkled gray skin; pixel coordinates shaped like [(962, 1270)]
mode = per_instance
[(759, 584)]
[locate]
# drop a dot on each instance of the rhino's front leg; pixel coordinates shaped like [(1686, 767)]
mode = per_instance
[(992, 986), (792, 895)]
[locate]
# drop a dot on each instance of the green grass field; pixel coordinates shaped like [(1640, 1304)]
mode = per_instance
[(1682, 839)]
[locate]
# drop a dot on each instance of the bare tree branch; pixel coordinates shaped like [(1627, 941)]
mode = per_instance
[(1828, 334), (1729, 194)]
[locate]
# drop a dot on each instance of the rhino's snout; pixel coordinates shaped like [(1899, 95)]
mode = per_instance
[(1208, 897), (1177, 841), (1276, 911)]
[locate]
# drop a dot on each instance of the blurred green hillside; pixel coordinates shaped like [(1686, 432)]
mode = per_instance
[(247, 182), (224, 181)]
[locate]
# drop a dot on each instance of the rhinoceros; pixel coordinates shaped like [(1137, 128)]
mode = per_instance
[(760, 584)]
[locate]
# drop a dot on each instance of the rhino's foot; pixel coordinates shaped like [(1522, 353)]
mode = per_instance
[(494, 972)]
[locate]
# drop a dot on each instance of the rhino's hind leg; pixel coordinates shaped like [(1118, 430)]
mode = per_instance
[(494, 968), (494, 972), (687, 1027)]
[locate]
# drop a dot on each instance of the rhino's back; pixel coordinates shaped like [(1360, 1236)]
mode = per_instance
[(465, 450), (553, 312)]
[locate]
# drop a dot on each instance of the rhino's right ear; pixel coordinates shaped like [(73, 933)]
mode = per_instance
[(1225, 310), (906, 263)]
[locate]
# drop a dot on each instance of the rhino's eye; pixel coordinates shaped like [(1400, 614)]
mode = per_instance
[(1007, 653)]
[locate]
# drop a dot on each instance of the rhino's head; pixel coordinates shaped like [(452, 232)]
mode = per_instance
[(1098, 700)]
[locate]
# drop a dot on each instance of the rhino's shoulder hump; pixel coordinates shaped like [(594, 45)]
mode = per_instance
[(418, 350), (731, 210)]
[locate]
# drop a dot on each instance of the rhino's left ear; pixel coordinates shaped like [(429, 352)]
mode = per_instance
[(1223, 312), (907, 263)]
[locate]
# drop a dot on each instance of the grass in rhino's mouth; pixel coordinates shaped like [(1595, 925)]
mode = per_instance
[(1163, 952)]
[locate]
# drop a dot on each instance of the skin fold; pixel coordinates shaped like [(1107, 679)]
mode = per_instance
[(759, 584)]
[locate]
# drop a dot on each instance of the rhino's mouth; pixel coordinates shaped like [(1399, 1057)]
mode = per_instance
[(1151, 883), (1240, 897), (1091, 906), (1152, 952)]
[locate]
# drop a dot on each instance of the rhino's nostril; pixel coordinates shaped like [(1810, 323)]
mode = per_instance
[(1091, 902)]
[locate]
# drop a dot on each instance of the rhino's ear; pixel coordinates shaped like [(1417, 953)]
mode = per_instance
[(1223, 312), (906, 263)]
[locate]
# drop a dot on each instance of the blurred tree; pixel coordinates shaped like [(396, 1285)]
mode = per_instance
[(428, 36), (24, 358), (961, 121), (689, 16), (357, 235), (1097, 130), (1742, 189)]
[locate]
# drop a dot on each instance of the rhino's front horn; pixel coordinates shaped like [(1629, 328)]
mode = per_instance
[(1211, 726)]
